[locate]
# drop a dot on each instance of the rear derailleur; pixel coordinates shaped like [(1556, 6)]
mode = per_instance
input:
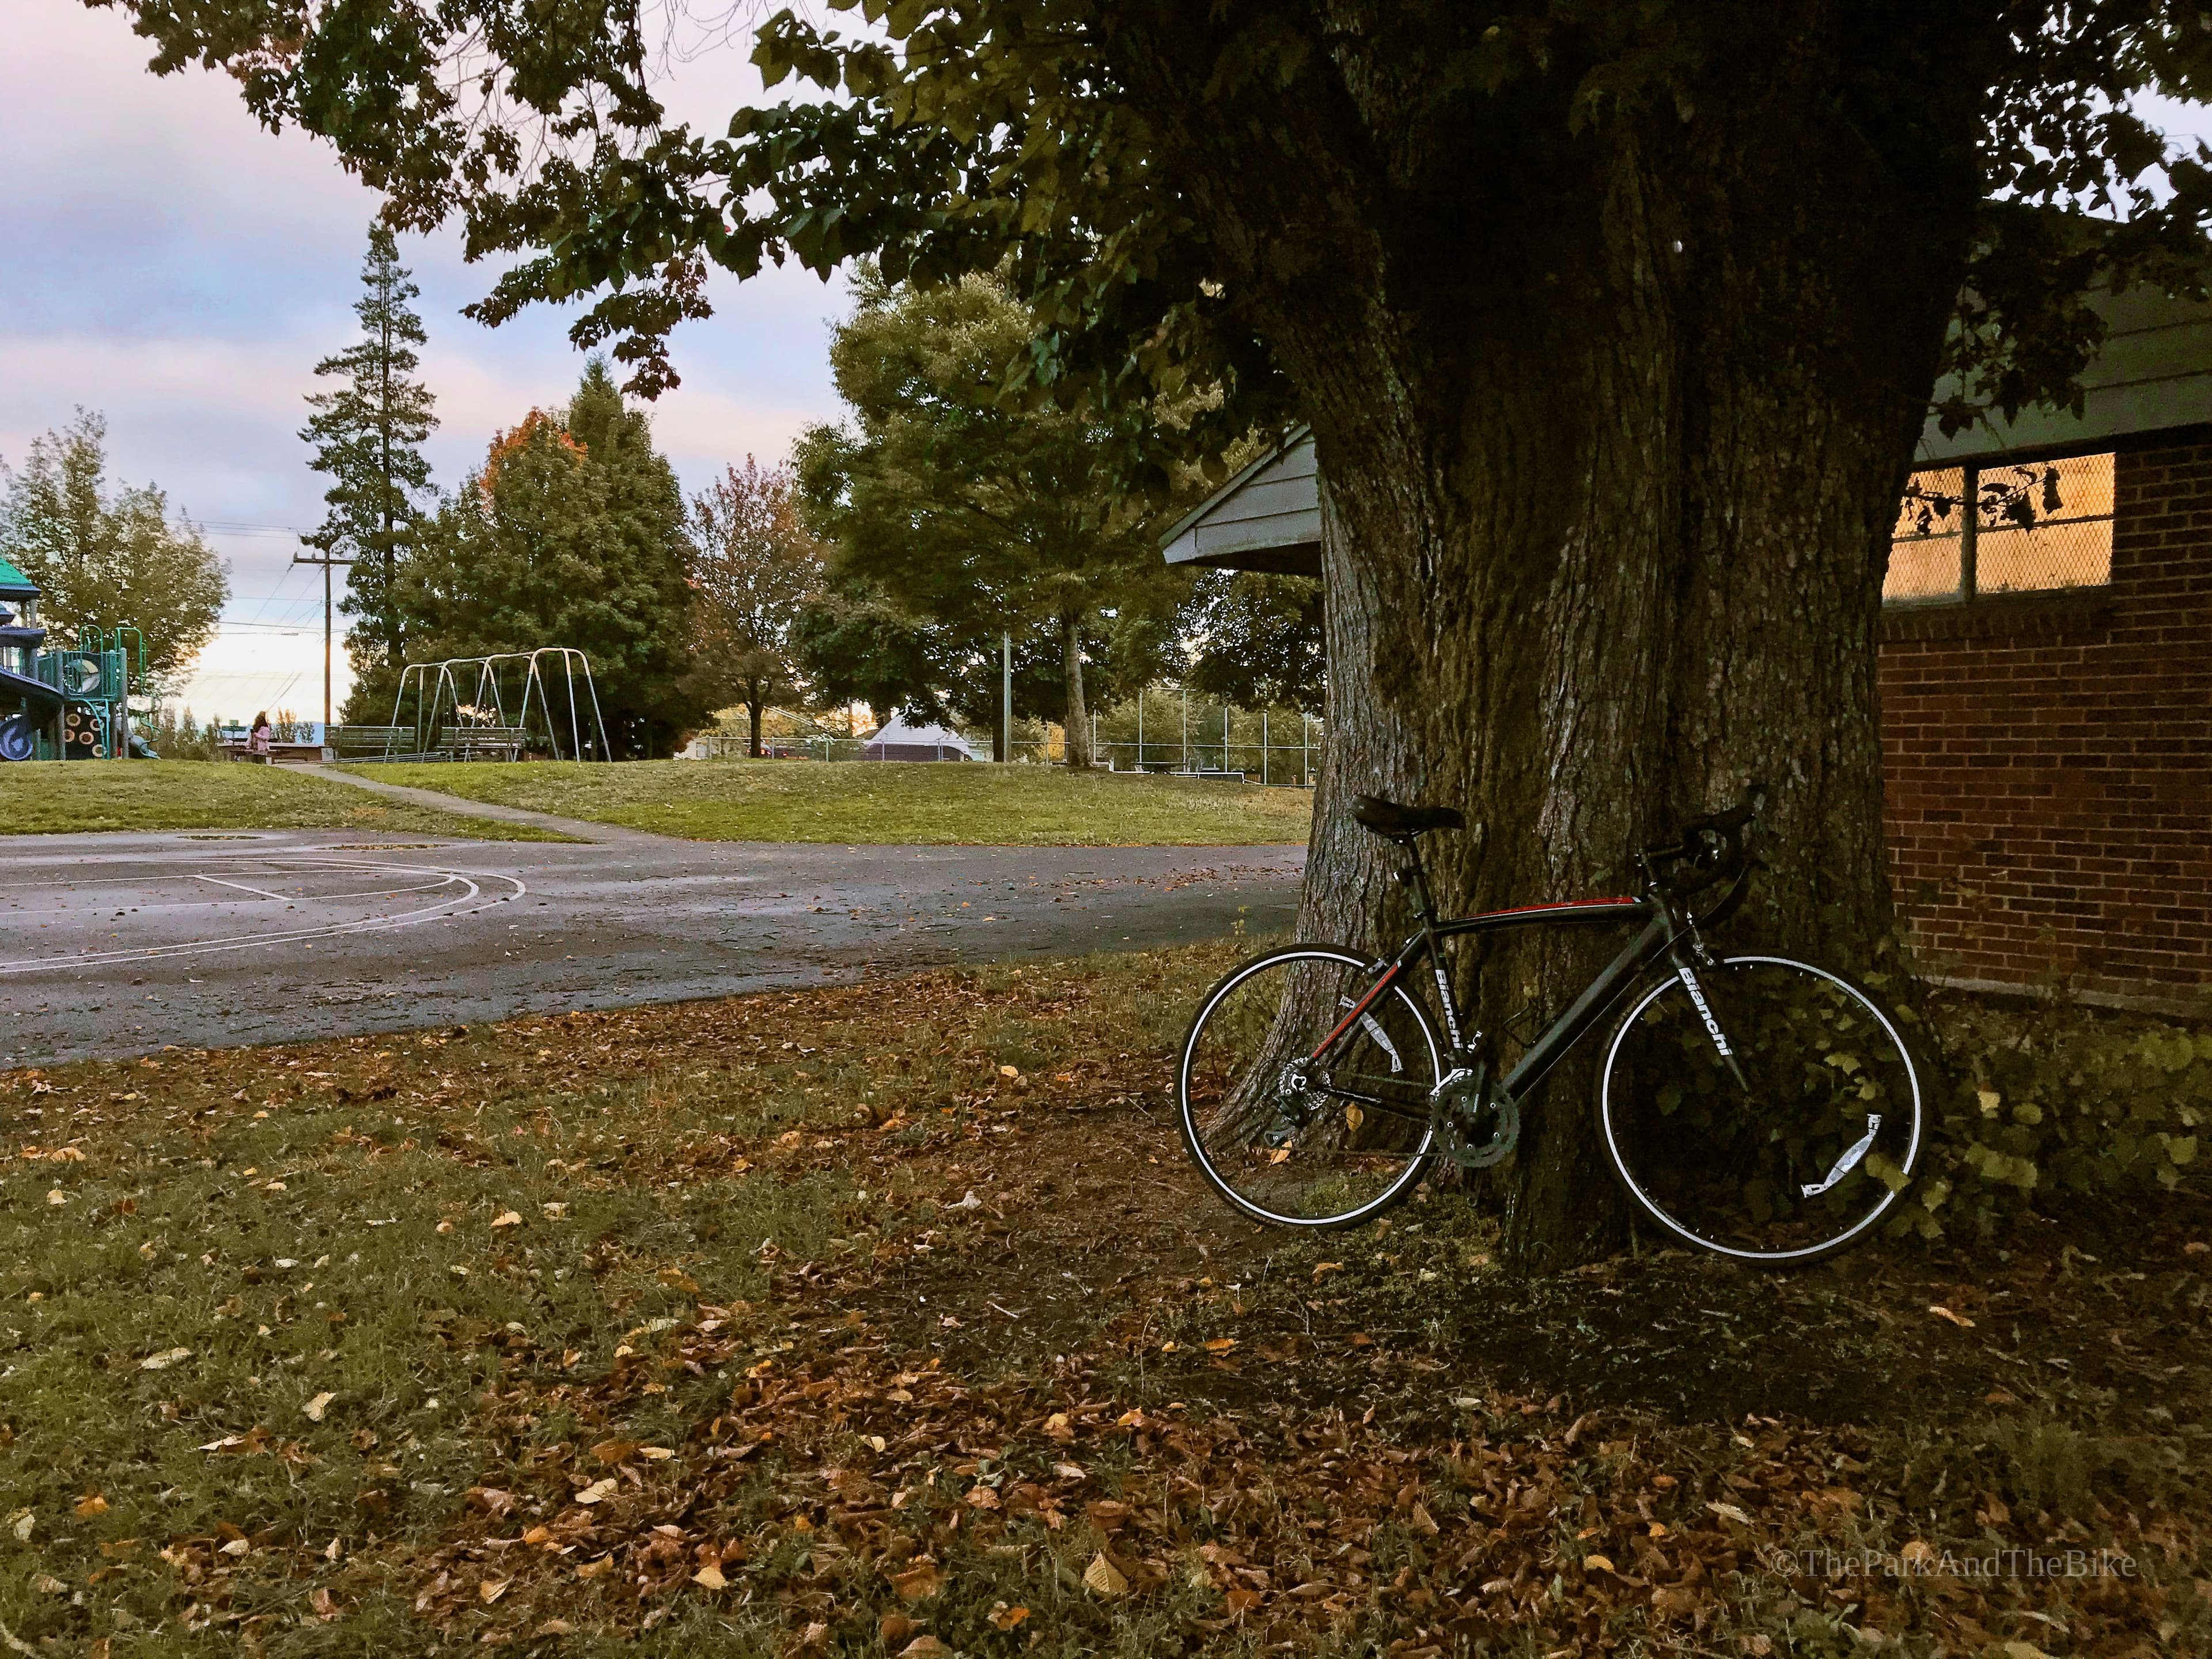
[(1297, 1102)]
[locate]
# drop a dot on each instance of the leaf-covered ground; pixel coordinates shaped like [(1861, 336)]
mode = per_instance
[(889, 1320), (44, 798), (952, 803)]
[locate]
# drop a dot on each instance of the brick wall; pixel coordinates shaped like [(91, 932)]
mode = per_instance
[(2048, 761)]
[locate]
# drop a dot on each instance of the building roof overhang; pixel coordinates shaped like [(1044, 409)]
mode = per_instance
[(2153, 374)]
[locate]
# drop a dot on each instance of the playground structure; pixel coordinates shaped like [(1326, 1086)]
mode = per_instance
[(71, 703), (458, 710)]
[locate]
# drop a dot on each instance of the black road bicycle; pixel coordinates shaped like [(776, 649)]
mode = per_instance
[(1759, 1108)]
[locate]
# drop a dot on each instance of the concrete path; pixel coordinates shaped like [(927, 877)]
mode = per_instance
[(122, 943), (582, 829)]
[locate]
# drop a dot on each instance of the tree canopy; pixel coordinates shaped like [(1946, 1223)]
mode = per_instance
[(753, 569), (368, 433), (1080, 140), (105, 554), (973, 513), (572, 534)]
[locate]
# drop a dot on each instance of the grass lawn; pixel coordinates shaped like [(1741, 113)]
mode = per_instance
[(55, 797), (962, 804), (777, 1326)]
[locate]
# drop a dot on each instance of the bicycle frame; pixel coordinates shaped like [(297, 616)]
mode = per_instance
[(1659, 937)]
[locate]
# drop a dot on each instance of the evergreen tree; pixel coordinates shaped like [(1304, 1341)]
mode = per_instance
[(368, 432), (572, 534), (106, 555)]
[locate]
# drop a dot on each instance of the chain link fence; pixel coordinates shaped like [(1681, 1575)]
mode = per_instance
[(1164, 731)]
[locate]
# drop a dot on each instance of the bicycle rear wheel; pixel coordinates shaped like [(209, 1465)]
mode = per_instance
[(1771, 1112), (1304, 1089)]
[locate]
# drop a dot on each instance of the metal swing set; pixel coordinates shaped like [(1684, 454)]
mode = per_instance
[(460, 711)]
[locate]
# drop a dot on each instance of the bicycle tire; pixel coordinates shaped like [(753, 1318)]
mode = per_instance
[(1226, 1108), (1822, 1085)]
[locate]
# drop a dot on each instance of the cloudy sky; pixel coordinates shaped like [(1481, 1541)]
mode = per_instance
[(168, 262)]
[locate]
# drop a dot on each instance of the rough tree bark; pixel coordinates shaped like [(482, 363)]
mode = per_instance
[(1614, 432), (755, 707), (1077, 727)]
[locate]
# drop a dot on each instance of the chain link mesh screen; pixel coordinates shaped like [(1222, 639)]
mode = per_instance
[(2039, 525)]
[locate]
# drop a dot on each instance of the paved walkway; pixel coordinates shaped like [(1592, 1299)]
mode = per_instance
[(121, 943), (579, 828)]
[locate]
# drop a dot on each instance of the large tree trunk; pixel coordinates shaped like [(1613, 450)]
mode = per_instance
[(1077, 725), (1609, 495), (755, 707)]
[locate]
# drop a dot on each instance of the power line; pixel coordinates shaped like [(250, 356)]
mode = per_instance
[(233, 527), (280, 581)]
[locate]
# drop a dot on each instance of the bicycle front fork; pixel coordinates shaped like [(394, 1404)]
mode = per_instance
[(1712, 1024)]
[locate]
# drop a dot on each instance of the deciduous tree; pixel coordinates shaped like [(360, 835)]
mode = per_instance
[(105, 554), (572, 534), (1256, 640), (966, 508), (754, 566), (1615, 325)]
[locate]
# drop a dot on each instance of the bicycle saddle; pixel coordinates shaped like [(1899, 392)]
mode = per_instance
[(1388, 819)]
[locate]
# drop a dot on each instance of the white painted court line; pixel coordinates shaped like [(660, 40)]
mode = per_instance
[(280, 897), (462, 904)]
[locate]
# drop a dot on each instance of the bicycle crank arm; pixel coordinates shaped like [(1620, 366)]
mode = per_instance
[(1849, 1160)]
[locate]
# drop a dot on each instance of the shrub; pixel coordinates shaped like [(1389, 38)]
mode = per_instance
[(176, 736), (2058, 1103)]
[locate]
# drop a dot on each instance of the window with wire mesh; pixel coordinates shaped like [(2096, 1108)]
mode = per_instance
[(2035, 526)]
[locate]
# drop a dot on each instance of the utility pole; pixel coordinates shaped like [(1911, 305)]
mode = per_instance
[(326, 561), (1007, 697)]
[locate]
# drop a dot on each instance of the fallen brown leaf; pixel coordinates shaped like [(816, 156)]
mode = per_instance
[(919, 1582), (1103, 1578)]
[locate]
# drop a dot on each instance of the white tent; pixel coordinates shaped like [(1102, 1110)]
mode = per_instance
[(899, 740)]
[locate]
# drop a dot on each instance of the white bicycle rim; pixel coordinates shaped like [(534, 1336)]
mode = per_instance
[(1650, 1208), (1417, 1161)]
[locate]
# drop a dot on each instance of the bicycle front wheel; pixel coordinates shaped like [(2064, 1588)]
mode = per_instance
[(1304, 1088), (1761, 1109)]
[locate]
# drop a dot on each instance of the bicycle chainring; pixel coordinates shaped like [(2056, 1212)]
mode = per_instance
[(1476, 1132)]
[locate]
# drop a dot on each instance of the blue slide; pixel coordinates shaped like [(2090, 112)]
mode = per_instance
[(19, 733)]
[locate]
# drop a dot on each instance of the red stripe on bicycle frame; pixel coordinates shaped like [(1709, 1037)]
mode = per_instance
[(1345, 1025), (1564, 904)]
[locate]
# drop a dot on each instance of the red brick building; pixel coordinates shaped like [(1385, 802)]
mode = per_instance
[(2047, 687), (2046, 673)]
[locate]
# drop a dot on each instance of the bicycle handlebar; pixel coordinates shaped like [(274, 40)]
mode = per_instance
[(1712, 849)]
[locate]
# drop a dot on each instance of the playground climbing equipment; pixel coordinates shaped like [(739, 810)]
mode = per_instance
[(502, 706), (69, 703)]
